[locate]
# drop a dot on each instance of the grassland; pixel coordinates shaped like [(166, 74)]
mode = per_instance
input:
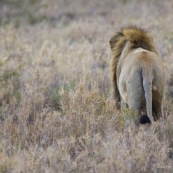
[(57, 113)]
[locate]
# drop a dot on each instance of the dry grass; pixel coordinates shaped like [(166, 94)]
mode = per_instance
[(56, 109)]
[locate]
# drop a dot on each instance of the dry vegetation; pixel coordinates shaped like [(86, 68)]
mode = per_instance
[(56, 108)]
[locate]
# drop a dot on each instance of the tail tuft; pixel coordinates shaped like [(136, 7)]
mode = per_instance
[(144, 119)]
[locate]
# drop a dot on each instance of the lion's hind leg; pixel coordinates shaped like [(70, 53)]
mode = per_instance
[(156, 106)]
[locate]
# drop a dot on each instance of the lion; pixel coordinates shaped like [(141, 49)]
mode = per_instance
[(137, 73)]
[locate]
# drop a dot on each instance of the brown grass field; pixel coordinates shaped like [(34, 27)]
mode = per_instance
[(57, 113)]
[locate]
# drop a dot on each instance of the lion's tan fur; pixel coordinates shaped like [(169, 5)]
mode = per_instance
[(135, 66)]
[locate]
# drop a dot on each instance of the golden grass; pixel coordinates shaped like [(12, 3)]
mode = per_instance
[(57, 113)]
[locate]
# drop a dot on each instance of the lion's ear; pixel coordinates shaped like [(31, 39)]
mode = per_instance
[(113, 41), (115, 38), (152, 40)]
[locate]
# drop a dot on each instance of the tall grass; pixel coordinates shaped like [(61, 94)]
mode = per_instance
[(57, 113)]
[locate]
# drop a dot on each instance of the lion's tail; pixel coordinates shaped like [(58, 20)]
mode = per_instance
[(147, 74)]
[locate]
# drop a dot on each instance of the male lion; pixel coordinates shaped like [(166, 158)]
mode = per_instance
[(137, 72)]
